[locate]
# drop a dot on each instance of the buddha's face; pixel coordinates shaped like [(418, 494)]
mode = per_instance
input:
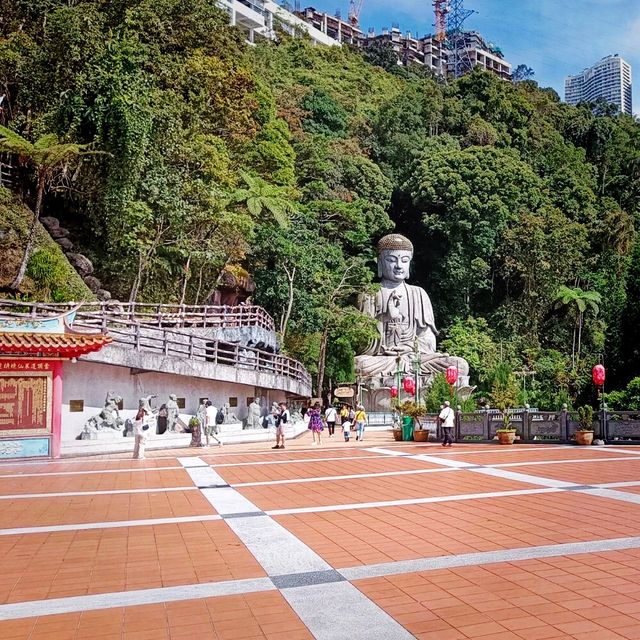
[(394, 264)]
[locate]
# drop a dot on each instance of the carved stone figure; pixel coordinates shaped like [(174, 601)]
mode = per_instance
[(254, 415), (406, 326), (173, 412), (108, 418)]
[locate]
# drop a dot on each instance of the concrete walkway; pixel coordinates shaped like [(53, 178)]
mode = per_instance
[(359, 540)]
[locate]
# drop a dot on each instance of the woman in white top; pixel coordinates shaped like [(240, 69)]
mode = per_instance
[(141, 431), (447, 418)]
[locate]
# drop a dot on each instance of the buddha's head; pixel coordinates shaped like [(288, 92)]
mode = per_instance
[(394, 257)]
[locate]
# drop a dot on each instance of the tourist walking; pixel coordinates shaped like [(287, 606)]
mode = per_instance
[(360, 418), (447, 417), (198, 426), (331, 416), (210, 423), (315, 423), (344, 414), (346, 430), (141, 433)]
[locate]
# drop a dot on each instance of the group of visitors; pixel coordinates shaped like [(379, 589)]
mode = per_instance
[(206, 424), (348, 418)]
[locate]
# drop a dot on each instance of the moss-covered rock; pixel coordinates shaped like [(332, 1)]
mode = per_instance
[(50, 276)]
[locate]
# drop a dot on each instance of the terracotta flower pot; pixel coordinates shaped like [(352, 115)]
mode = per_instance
[(397, 434), (506, 437), (584, 437), (421, 435)]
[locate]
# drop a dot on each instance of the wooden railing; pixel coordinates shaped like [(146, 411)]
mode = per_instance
[(173, 343), (105, 314), (166, 339)]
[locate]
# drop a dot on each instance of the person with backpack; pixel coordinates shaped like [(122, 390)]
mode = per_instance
[(331, 416), (446, 418), (211, 423)]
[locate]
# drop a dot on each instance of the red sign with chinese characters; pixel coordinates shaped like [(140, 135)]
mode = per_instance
[(24, 402)]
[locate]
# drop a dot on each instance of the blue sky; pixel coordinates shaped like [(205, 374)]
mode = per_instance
[(554, 37)]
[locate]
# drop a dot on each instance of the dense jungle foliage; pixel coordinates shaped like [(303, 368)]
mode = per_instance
[(292, 160)]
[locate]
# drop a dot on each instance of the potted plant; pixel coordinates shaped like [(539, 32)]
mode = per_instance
[(507, 433), (504, 394), (395, 413), (415, 411), (584, 433)]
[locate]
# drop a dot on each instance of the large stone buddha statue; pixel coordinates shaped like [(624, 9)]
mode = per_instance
[(406, 327)]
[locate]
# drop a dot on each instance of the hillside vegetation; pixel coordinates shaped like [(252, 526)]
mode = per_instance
[(292, 160)]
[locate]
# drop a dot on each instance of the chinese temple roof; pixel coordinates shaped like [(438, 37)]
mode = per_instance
[(50, 336), (66, 345)]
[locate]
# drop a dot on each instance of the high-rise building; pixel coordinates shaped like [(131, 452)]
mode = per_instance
[(610, 79)]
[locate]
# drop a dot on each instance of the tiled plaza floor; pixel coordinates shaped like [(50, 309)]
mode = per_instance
[(361, 540)]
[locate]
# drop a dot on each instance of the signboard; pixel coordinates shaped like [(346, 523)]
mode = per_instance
[(25, 403), (343, 392)]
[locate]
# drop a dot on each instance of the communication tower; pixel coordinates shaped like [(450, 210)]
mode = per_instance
[(460, 60)]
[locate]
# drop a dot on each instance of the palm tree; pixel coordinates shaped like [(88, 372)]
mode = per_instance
[(581, 300), (259, 195), (48, 156)]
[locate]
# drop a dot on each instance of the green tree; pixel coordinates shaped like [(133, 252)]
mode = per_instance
[(49, 157), (582, 301)]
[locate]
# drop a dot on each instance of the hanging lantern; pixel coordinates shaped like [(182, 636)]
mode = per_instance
[(409, 385), (452, 375), (598, 374), (394, 391)]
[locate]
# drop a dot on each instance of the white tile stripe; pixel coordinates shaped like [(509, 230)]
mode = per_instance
[(107, 525), (404, 472), (132, 598), (280, 552), (410, 501), (22, 496), (294, 460), (488, 557), (503, 465), (83, 473)]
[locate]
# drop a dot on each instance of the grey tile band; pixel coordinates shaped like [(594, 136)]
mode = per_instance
[(305, 577), (246, 514), (293, 580), (488, 557), (132, 598), (350, 615)]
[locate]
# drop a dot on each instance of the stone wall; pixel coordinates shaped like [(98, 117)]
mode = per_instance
[(90, 382)]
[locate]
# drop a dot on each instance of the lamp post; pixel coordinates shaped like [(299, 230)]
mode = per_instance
[(598, 375), (416, 371)]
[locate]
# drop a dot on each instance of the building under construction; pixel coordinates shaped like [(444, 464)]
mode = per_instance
[(449, 52)]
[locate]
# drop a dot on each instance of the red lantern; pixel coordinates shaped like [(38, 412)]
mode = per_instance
[(598, 374), (394, 391), (452, 375), (409, 385)]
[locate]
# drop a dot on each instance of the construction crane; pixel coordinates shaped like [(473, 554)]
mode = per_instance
[(441, 8), (355, 7)]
